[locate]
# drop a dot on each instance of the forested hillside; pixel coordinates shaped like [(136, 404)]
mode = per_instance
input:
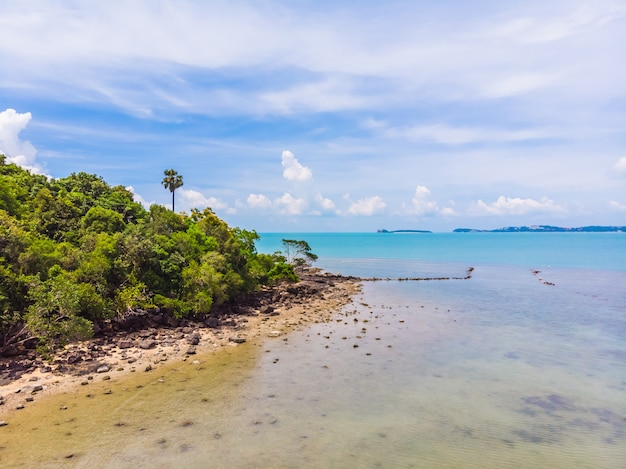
[(76, 252)]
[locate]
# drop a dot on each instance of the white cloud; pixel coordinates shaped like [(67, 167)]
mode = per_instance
[(291, 205), (259, 201), (516, 84), (19, 152), (449, 135), (368, 206), (326, 204), (516, 206), (422, 205), (138, 198), (294, 171), (193, 199), (620, 166), (620, 207), (448, 212)]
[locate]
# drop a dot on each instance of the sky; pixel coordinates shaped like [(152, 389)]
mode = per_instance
[(306, 116)]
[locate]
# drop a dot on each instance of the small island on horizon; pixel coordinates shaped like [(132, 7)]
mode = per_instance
[(403, 231), (546, 229), (527, 229)]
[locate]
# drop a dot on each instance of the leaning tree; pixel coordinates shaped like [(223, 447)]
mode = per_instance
[(172, 181)]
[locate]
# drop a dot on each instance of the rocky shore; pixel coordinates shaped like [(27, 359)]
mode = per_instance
[(141, 342)]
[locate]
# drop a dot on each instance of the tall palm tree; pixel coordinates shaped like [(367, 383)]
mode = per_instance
[(172, 181)]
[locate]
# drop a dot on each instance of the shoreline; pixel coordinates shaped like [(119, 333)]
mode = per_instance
[(316, 298)]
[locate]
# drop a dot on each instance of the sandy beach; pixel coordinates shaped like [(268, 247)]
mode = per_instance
[(315, 299)]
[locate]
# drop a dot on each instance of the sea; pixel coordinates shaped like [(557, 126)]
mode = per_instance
[(502, 350)]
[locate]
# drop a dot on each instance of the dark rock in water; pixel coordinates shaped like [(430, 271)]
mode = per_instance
[(550, 403), (213, 322)]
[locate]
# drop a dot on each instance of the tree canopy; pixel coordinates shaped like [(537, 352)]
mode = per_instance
[(76, 252), (171, 182)]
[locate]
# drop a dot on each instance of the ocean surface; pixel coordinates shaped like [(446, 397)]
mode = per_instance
[(523, 365)]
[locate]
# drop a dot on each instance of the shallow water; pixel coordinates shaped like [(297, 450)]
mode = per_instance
[(498, 371)]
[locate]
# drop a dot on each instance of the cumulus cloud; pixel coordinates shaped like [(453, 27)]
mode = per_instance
[(368, 206), (325, 204), (294, 171), (259, 201), (620, 166), (290, 205), (422, 205), (516, 206), (138, 198), (194, 199), (20, 152)]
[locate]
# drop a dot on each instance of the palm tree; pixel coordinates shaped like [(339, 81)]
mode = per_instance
[(172, 181)]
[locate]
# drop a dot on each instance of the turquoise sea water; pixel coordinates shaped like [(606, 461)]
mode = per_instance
[(521, 366)]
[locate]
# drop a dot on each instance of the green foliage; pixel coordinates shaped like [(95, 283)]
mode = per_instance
[(62, 311), (298, 253), (171, 182), (75, 252)]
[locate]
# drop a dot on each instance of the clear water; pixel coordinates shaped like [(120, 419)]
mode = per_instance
[(502, 370)]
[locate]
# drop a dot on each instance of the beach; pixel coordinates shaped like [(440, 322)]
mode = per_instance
[(112, 357)]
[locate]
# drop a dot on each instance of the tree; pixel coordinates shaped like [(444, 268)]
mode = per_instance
[(298, 253), (172, 181)]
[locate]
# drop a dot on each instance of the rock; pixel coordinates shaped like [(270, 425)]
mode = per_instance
[(149, 368), (31, 389), (194, 339), (123, 344), (274, 334), (191, 350), (213, 322), (147, 333), (267, 309), (147, 344), (3, 423), (74, 358), (237, 340), (102, 369)]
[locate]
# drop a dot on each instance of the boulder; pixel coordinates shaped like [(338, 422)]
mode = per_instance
[(213, 322), (194, 338), (147, 344)]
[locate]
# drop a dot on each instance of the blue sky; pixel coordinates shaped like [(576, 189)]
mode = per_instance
[(329, 115)]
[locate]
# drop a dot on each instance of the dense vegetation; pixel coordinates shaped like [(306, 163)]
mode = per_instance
[(76, 252)]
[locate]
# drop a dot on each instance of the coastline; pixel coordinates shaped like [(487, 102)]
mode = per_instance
[(316, 298)]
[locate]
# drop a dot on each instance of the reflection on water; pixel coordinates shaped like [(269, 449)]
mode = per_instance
[(499, 371)]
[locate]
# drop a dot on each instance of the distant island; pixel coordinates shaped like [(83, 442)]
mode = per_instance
[(404, 231), (546, 229)]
